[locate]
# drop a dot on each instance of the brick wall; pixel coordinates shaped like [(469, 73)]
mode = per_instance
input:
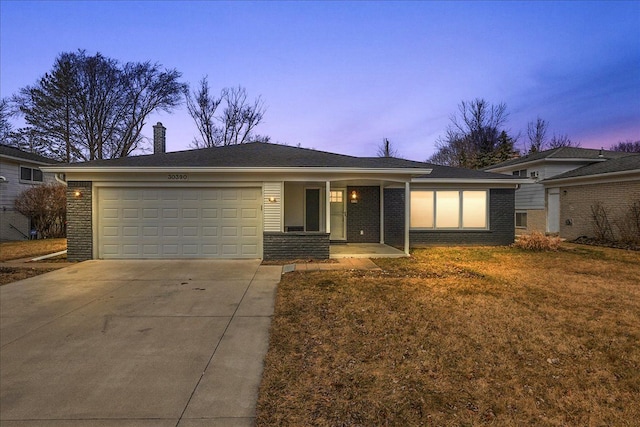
[(501, 223), (576, 202), (536, 221), (79, 224), (364, 215), (278, 246), (394, 217)]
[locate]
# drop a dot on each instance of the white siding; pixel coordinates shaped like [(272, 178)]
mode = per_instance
[(553, 169), (530, 196), (272, 210)]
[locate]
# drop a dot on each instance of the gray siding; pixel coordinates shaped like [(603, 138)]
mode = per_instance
[(530, 196), (9, 191)]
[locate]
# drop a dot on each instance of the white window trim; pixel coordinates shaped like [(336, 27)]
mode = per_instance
[(460, 211)]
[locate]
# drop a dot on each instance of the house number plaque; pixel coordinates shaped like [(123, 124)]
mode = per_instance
[(178, 177)]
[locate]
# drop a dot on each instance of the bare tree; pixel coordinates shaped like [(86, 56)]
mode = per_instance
[(476, 137), (386, 149), (5, 124), (562, 140), (46, 206), (202, 106), (240, 117), (92, 107), (627, 146), (234, 125), (537, 135)]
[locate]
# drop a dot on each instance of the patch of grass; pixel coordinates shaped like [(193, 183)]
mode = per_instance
[(30, 248), (459, 336), (13, 274)]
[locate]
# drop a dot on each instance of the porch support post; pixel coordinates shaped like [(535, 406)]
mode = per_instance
[(381, 214), (407, 215), (327, 206)]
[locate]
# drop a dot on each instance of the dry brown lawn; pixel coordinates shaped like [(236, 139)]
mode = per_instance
[(459, 337), (30, 248)]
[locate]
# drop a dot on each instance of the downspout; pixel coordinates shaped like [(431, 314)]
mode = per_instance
[(60, 180)]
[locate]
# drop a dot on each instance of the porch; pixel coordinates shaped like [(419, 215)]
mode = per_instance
[(364, 250)]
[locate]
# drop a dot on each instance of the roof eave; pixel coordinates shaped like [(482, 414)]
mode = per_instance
[(207, 169), (594, 176), (25, 160), (547, 159), (471, 181)]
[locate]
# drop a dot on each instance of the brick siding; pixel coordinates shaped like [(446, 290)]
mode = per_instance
[(536, 221), (576, 202), (394, 217), (79, 223), (296, 245), (363, 216)]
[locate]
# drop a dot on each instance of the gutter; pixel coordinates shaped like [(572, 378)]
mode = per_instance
[(191, 169)]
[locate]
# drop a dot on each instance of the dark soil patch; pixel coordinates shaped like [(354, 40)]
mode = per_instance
[(583, 240)]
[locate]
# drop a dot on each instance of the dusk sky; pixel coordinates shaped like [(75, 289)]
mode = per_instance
[(341, 76)]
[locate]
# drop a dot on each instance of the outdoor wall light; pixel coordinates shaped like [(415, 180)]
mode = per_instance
[(354, 197), (272, 199), (77, 194)]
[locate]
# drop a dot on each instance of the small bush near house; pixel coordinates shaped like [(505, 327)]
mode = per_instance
[(46, 206), (537, 241)]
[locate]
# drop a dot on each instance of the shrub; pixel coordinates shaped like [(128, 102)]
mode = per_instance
[(537, 241), (46, 206)]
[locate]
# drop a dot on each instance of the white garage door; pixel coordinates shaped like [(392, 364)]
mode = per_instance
[(179, 223)]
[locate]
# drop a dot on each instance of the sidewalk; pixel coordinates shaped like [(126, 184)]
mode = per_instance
[(342, 264), (27, 263)]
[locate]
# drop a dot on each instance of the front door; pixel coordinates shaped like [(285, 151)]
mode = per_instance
[(338, 214)]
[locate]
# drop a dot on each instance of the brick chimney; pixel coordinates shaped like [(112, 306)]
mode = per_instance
[(159, 139)]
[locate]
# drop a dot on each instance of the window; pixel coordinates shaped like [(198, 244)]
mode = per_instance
[(521, 219), (451, 209), (422, 209), (335, 196), (30, 174), (522, 172)]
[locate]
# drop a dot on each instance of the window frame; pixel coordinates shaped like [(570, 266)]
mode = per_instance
[(460, 226), (525, 219), (32, 177)]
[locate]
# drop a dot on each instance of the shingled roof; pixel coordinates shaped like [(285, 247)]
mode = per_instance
[(562, 153), (629, 163), (15, 153), (252, 155), (266, 155)]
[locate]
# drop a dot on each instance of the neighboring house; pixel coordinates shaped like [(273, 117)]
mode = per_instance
[(614, 185), (271, 201), (19, 171), (537, 208)]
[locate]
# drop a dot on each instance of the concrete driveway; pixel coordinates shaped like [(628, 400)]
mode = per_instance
[(136, 343)]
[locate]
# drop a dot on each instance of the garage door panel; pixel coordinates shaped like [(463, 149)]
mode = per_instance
[(179, 223)]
